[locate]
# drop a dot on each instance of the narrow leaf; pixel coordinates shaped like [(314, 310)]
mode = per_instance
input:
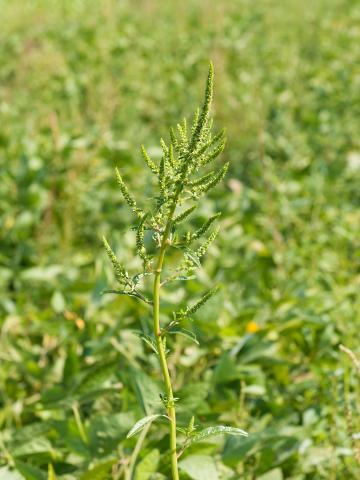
[(218, 430), (150, 341), (141, 424), (184, 332)]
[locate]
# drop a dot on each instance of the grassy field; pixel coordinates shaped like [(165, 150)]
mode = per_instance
[(82, 85)]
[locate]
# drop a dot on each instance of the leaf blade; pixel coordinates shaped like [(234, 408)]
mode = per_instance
[(184, 332), (142, 423), (217, 430)]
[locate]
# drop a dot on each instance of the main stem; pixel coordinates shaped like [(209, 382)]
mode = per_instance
[(161, 348)]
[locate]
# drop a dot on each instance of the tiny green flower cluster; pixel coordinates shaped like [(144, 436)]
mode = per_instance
[(178, 183), (180, 186)]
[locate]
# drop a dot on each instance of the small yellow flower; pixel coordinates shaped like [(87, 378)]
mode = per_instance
[(252, 327)]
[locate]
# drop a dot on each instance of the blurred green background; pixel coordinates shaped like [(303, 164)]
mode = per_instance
[(82, 85)]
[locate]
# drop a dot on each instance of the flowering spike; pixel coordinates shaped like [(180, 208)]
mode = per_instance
[(204, 228), (140, 246), (120, 273), (215, 180), (188, 151), (200, 252), (204, 115), (162, 174), (184, 214), (195, 121), (127, 197), (173, 139), (194, 308), (219, 137), (182, 129), (148, 160), (202, 180), (214, 154)]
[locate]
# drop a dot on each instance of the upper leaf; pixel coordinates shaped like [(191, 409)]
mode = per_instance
[(218, 430), (141, 424)]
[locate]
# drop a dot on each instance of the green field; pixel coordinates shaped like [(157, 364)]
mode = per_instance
[(83, 84)]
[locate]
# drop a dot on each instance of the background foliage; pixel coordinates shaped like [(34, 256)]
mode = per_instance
[(82, 85)]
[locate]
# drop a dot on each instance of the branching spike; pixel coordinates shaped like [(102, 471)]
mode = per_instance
[(202, 230), (184, 214), (127, 197), (204, 115), (194, 308), (148, 161), (120, 273)]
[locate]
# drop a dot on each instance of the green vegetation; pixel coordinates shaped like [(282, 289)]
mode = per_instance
[(186, 154), (82, 85)]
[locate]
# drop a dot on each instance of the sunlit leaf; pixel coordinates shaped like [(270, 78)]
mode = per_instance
[(200, 467), (99, 472), (148, 465), (218, 430), (141, 424)]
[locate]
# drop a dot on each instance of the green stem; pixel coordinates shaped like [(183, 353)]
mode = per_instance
[(135, 454), (160, 345), (79, 423)]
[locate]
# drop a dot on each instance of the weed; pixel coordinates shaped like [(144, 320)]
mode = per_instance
[(181, 184)]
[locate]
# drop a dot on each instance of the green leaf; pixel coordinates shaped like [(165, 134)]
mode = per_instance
[(269, 441), (71, 366), (199, 467), (193, 396), (149, 340), (68, 431), (226, 370), (141, 424), (29, 472), (146, 390), (148, 465), (236, 449), (106, 431), (23, 435), (218, 430), (99, 472), (95, 378), (274, 474), (32, 447), (184, 332)]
